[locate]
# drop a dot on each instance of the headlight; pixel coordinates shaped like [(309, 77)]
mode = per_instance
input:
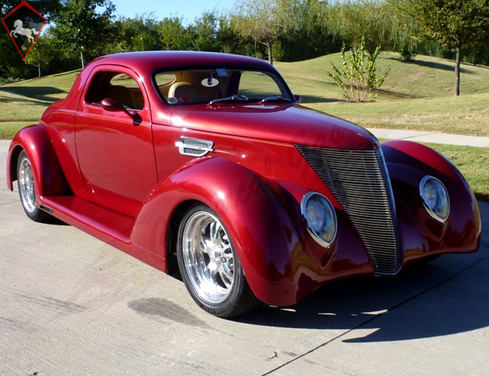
[(320, 218), (435, 198)]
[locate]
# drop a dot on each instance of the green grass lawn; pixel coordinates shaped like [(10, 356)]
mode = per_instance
[(23, 103), (416, 95)]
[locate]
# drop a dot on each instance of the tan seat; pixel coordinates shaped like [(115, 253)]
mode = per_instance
[(183, 91)]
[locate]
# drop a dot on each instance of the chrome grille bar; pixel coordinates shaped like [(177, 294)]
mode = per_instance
[(360, 182)]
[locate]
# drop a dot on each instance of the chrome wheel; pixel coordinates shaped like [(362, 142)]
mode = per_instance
[(210, 266), (27, 191), (208, 257), (26, 184)]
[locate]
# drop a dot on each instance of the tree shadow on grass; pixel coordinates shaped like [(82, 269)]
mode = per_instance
[(46, 94), (434, 65), (310, 99), (394, 94)]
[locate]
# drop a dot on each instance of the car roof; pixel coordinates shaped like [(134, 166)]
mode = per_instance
[(153, 60)]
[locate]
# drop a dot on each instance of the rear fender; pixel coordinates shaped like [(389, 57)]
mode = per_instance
[(255, 217), (48, 176)]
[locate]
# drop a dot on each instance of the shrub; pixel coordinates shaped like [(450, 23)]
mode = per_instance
[(8, 80), (408, 52), (357, 76)]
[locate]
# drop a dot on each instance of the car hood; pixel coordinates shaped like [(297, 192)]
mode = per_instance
[(292, 124)]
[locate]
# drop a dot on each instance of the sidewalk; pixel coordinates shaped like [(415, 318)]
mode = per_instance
[(439, 138)]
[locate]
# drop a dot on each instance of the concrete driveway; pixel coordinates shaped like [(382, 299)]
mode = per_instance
[(72, 305)]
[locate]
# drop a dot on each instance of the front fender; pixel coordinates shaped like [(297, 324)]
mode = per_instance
[(255, 216), (408, 163), (48, 176)]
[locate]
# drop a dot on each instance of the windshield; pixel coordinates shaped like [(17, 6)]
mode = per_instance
[(220, 85)]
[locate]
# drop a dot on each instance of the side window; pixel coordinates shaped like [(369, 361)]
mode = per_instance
[(117, 86), (164, 80)]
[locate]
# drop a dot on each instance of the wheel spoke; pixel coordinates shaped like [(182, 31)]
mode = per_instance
[(213, 270), (203, 245), (208, 257), (215, 231), (226, 275)]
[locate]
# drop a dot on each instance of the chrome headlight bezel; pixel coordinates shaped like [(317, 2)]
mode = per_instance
[(435, 198), (320, 218)]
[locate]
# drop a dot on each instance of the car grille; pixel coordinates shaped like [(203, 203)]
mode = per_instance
[(360, 182)]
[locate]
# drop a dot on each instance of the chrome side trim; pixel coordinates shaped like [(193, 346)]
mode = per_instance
[(194, 147)]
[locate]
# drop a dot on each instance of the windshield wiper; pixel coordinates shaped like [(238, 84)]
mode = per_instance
[(231, 98), (275, 98)]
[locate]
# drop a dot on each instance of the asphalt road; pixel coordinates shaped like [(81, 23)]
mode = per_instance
[(72, 305)]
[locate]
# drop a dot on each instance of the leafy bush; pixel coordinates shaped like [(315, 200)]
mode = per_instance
[(408, 52), (357, 76), (8, 80)]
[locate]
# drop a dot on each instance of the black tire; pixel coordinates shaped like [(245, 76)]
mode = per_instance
[(210, 267), (27, 192)]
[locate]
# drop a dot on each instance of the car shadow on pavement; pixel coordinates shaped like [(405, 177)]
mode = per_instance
[(439, 298)]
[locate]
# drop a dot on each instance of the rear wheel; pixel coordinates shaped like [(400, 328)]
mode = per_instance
[(27, 191), (209, 265)]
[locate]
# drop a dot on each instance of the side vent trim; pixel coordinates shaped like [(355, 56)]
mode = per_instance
[(194, 147)]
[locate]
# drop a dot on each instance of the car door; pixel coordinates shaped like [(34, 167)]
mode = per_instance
[(115, 149)]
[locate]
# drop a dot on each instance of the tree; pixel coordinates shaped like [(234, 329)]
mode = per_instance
[(141, 33), (205, 30), (353, 19), (41, 54), (173, 35), (450, 22), (228, 38), (84, 26), (134, 34), (264, 20), (45, 7), (311, 35)]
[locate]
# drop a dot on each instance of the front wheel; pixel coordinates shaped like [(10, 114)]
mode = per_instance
[(210, 267), (27, 192)]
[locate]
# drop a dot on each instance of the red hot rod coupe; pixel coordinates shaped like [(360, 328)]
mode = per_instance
[(208, 161)]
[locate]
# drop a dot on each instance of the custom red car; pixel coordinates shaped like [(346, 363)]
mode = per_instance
[(209, 162)]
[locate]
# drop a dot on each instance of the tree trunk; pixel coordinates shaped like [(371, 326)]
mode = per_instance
[(39, 68), (458, 58), (270, 50), (82, 61)]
